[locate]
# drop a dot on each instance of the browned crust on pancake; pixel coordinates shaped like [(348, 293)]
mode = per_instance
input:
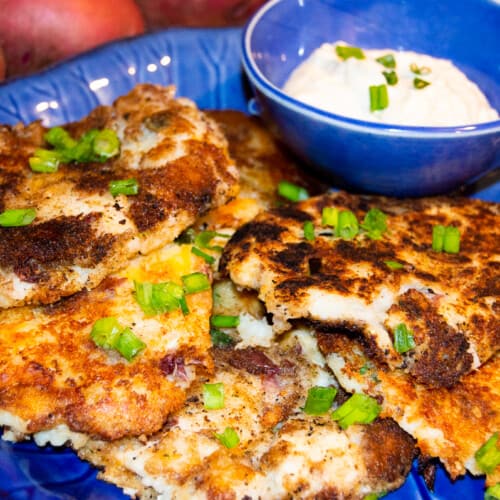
[(270, 254), (184, 172)]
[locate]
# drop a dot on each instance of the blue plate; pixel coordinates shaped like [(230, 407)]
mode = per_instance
[(205, 66)]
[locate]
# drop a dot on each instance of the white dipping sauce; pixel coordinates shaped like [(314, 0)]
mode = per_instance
[(340, 86)]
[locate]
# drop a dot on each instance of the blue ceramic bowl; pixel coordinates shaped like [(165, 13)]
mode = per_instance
[(371, 157)]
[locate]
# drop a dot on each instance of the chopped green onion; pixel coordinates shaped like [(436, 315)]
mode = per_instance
[(105, 332), (418, 83), (309, 230), (166, 297), (229, 438), (158, 298), (329, 216), (45, 161), (391, 77), (445, 238), (184, 305), (403, 339), (223, 321), (438, 237), (451, 243), (83, 151), (394, 265), (319, 400), (200, 253), (129, 345), (124, 186), (195, 282), (213, 396), (186, 236), (488, 456), (109, 334), (16, 217), (347, 226), (59, 138), (387, 61), (375, 496), (106, 144), (346, 51), (422, 70), (379, 98), (492, 493), (358, 409), (204, 238), (375, 223), (220, 338), (292, 192)]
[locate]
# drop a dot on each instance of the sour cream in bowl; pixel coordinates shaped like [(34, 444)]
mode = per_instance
[(434, 130)]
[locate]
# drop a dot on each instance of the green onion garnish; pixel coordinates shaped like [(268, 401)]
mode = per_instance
[(309, 230), (186, 236), (488, 456), (184, 305), (220, 338), (129, 345), (59, 138), (375, 223), (347, 225), (105, 332), (106, 144), (109, 334), (375, 496), (445, 238), (319, 400), (330, 216), (346, 51), (16, 217), (418, 83), (203, 239), (391, 77), (45, 161), (358, 409), (493, 492), (94, 145), (393, 264), (403, 339), (379, 98), (200, 253), (292, 192), (223, 321), (195, 282), (451, 243), (229, 438), (438, 237), (387, 61), (158, 298), (213, 396), (422, 70), (124, 186)]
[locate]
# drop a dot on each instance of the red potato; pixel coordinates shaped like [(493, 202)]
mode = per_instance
[(2, 65), (197, 13), (35, 33)]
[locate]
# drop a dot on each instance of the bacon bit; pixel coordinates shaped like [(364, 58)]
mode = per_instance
[(173, 365)]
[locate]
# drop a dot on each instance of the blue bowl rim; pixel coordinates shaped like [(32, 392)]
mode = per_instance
[(275, 93)]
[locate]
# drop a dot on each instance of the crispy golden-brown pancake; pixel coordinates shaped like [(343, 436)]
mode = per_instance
[(448, 301), (81, 233)]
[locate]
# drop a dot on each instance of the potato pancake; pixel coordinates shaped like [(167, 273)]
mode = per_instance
[(56, 383), (282, 452), (448, 423), (376, 273), (83, 233)]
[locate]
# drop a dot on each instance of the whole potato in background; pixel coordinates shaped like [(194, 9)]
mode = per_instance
[(35, 33), (197, 13), (2, 65)]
